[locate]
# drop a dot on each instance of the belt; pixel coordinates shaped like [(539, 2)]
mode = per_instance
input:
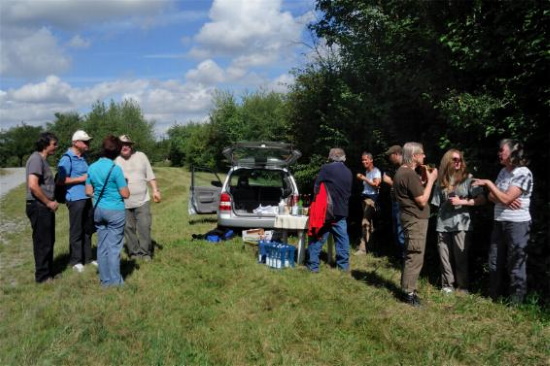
[(373, 197)]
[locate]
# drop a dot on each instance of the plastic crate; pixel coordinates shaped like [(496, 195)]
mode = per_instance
[(276, 255)]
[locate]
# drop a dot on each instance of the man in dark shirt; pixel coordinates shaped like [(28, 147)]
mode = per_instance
[(395, 156), (338, 182), (413, 199), (41, 205)]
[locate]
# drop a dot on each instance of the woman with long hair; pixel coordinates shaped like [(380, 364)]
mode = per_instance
[(511, 193), (454, 195)]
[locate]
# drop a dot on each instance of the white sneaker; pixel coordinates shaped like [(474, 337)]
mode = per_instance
[(447, 290), (78, 267), (93, 263)]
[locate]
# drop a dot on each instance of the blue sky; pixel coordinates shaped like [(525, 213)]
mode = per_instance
[(169, 56)]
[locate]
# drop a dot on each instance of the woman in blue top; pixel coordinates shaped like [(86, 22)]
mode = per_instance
[(511, 193), (106, 184)]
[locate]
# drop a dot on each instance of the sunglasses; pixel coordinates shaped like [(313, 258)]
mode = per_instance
[(457, 160)]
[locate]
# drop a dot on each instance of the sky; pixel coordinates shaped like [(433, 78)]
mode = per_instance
[(169, 56)]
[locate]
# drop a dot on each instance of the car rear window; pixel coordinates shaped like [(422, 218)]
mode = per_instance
[(258, 178)]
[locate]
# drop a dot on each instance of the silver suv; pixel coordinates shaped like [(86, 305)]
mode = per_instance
[(255, 184)]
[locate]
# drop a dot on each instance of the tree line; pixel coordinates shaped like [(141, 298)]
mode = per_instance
[(461, 74)]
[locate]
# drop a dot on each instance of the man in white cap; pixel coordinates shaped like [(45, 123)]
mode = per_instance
[(138, 172), (73, 171)]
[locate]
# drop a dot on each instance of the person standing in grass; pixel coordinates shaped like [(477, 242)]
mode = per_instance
[(73, 170), (338, 180), (511, 194), (454, 195), (413, 199), (107, 185), (369, 196), (395, 156), (41, 206), (138, 172)]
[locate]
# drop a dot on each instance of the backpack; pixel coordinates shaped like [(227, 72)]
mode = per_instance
[(60, 190)]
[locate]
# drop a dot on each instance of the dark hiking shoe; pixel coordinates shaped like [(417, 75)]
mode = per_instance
[(412, 299)]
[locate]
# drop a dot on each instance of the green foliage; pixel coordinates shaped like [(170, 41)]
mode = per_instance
[(17, 143), (117, 119), (257, 116)]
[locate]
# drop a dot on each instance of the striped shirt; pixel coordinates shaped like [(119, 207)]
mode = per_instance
[(522, 178)]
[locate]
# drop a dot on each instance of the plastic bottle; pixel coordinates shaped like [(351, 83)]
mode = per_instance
[(282, 205), (294, 210)]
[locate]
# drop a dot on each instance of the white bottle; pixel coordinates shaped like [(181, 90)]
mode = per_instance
[(282, 205)]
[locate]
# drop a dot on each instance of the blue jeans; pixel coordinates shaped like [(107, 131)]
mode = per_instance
[(508, 259), (110, 235), (398, 233), (339, 230)]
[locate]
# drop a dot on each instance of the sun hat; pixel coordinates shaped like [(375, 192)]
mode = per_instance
[(125, 139)]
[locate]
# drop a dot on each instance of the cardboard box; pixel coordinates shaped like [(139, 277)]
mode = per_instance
[(253, 236)]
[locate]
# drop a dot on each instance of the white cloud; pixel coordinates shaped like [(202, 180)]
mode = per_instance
[(164, 101), (78, 42), (70, 14), (257, 32), (207, 72), (32, 53), (52, 90)]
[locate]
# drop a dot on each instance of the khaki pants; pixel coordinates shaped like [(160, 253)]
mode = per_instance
[(415, 243), (453, 255), (369, 209)]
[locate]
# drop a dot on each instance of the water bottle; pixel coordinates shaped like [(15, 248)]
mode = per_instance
[(282, 205)]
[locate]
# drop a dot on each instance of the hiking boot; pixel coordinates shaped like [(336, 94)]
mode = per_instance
[(447, 290), (412, 299)]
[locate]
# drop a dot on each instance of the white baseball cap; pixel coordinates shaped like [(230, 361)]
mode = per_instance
[(81, 135)]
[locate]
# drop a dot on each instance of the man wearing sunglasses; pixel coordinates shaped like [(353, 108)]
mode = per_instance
[(73, 171)]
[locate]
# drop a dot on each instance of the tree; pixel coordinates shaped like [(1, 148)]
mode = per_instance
[(117, 119), (18, 142), (64, 126)]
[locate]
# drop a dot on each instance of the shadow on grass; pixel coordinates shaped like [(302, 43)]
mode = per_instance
[(127, 267), (60, 263), (373, 279)]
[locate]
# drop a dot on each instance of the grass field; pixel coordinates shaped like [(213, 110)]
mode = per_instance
[(199, 303)]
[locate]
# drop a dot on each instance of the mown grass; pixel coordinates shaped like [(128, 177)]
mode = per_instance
[(200, 303)]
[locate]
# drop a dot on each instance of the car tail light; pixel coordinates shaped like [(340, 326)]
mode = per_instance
[(225, 202)]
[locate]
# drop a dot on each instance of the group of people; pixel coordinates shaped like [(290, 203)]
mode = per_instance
[(414, 187), (109, 197)]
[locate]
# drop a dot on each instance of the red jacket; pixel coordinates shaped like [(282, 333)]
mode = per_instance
[(318, 211)]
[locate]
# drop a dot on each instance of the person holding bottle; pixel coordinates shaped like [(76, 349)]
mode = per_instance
[(454, 195), (413, 196)]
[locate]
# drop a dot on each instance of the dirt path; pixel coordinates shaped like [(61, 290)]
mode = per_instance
[(13, 178)]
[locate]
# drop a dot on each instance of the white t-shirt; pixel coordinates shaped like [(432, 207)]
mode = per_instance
[(137, 170), (367, 188), (522, 178)]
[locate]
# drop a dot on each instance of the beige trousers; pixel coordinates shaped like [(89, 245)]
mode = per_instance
[(369, 210), (453, 255), (415, 243)]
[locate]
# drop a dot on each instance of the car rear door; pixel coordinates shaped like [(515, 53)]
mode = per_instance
[(204, 193)]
